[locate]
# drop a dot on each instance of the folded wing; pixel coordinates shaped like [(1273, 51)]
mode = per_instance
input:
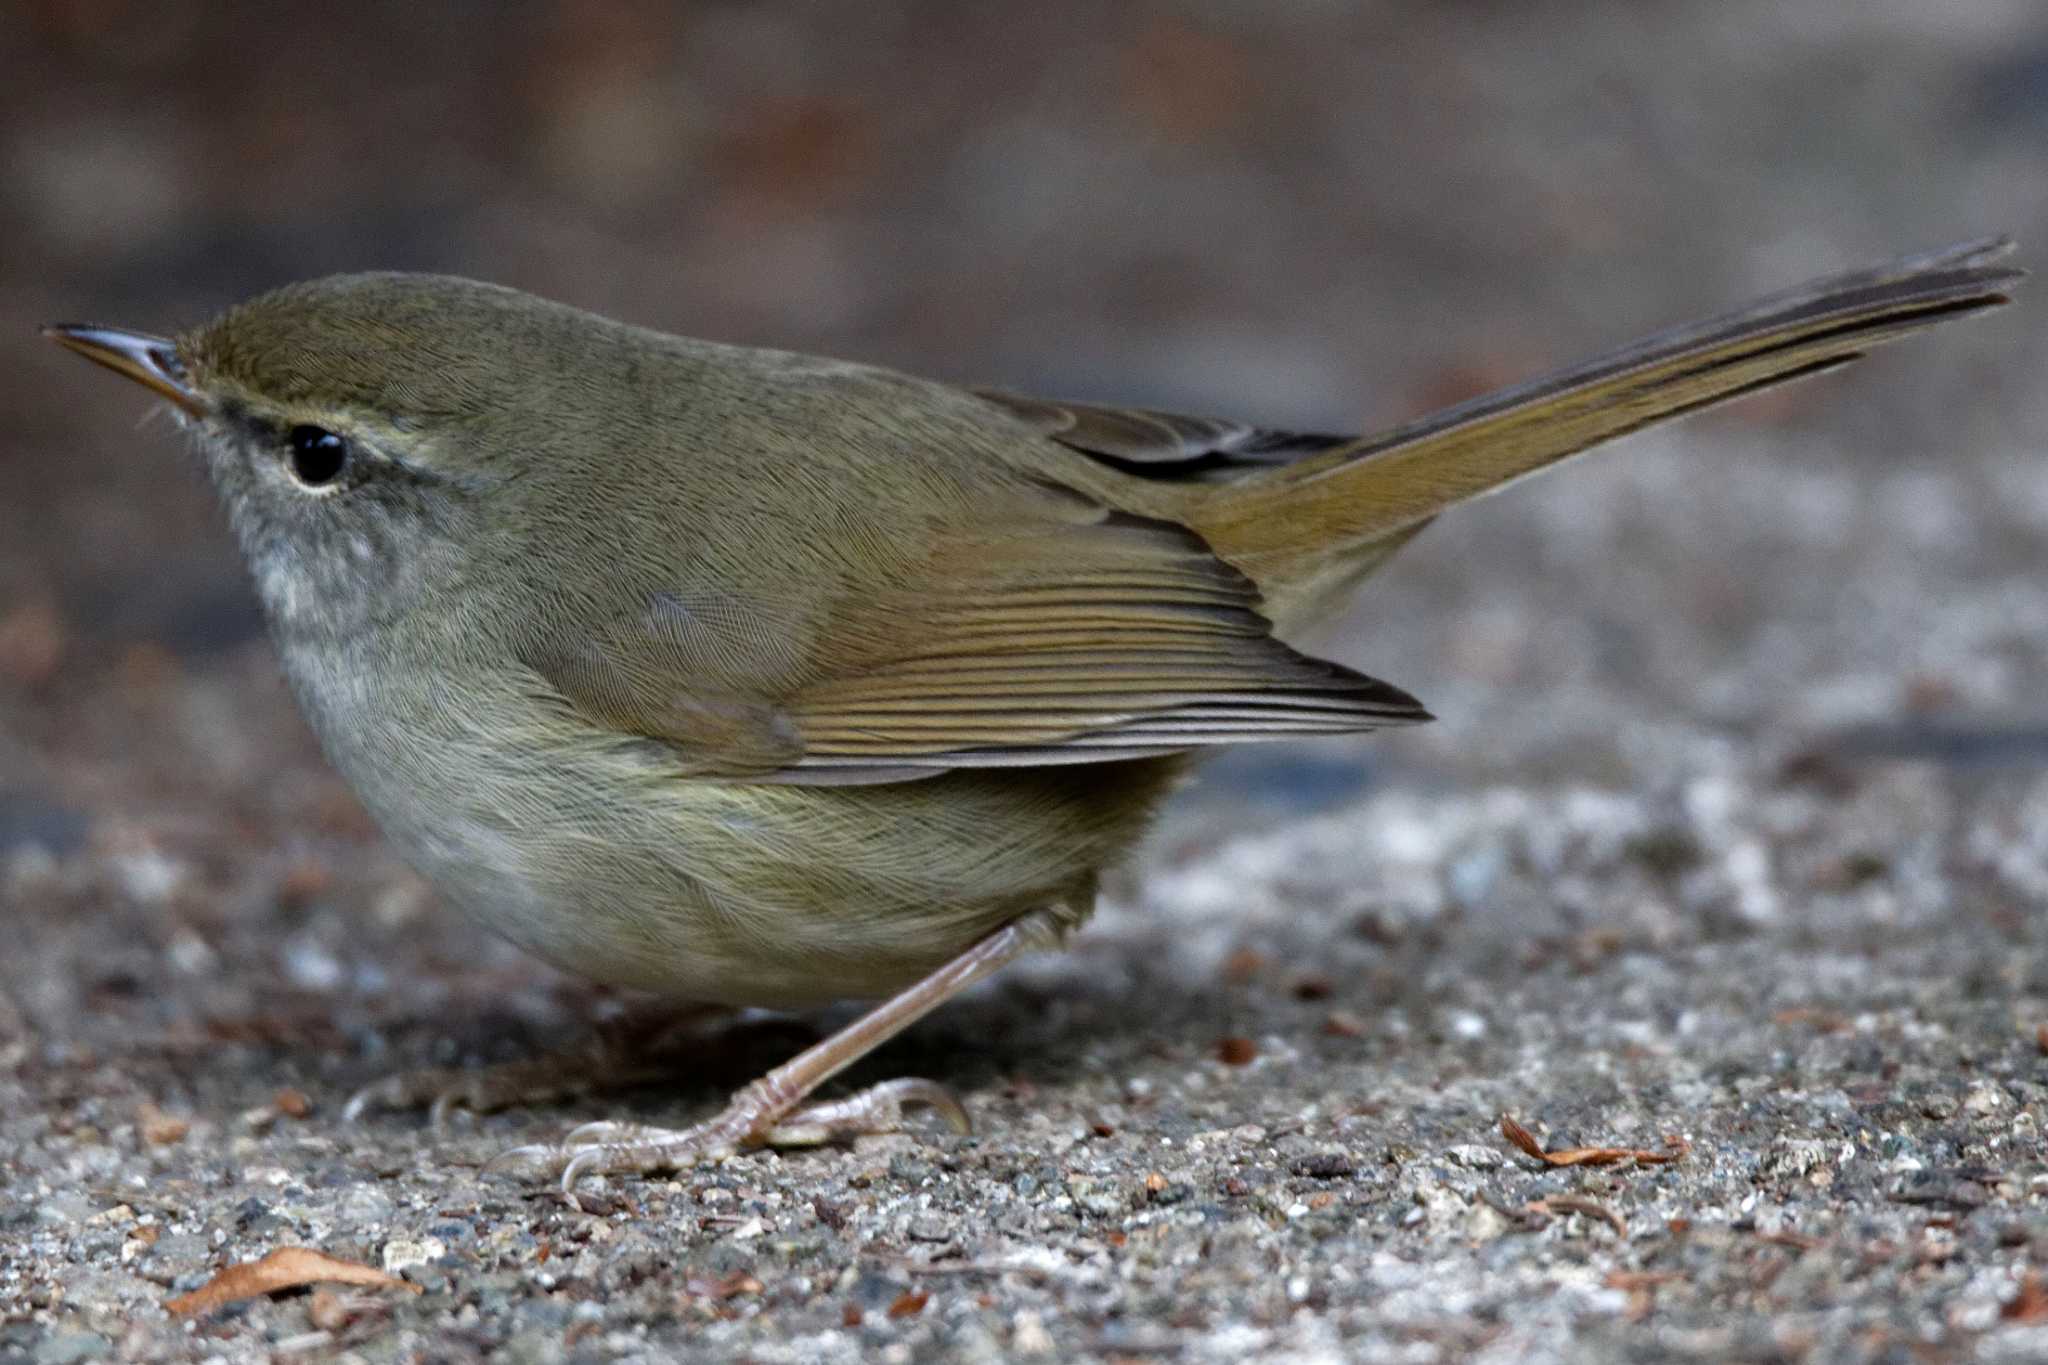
[(1059, 632)]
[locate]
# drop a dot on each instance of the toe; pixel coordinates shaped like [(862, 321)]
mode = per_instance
[(445, 1104), (878, 1109), (610, 1131), (364, 1100), (534, 1160), (402, 1091)]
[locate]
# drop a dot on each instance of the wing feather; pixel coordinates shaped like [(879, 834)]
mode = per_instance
[(1169, 446), (1077, 635)]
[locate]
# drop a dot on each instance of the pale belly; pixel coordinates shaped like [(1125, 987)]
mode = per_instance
[(601, 863), (587, 849)]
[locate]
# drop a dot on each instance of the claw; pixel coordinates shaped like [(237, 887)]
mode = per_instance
[(539, 1157), (583, 1163), (608, 1130), (444, 1106), (878, 1109), (387, 1093), (653, 1149), (606, 1147)]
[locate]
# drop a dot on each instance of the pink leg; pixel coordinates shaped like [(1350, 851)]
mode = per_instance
[(769, 1111)]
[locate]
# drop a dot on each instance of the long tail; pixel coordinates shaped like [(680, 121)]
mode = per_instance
[(1312, 527)]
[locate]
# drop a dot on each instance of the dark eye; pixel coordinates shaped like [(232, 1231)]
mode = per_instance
[(318, 455)]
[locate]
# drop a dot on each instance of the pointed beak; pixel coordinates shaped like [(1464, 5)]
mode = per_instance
[(150, 361)]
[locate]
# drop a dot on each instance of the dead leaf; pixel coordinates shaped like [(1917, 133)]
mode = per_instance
[(2030, 1304), (729, 1287), (1674, 1148), (1560, 1204), (158, 1128), (284, 1268), (1343, 1024), (1785, 1237), (909, 1305), (1633, 1281)]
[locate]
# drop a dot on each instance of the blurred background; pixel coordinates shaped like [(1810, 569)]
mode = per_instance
[(1334, 215)]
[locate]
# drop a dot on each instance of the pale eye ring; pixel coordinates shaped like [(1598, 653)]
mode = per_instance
[(318, 456)]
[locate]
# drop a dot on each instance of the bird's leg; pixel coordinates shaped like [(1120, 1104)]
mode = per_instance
[(639, 1047), (771, 1112)]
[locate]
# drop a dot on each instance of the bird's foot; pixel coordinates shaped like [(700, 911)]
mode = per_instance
[(772, 1111), (757, 1117)]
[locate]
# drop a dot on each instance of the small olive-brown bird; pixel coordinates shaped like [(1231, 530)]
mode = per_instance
[(749, 678)]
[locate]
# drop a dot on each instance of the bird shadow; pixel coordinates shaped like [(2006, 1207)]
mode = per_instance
[(1011, 1037)]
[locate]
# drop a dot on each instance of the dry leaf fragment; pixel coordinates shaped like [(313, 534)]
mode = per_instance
[(1674, 1148), (1798, 1241), (729, 1287), (909, 1305), (1633, 1281), (1559, 1204), (2030, 1304), (1343, 1024), (284, 1268), (158, 1128), (1822, 1021)]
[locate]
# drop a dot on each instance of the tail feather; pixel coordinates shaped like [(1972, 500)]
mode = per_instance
[(1308, 526)]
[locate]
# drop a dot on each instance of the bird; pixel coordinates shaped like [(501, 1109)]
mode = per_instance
[(750, 678)]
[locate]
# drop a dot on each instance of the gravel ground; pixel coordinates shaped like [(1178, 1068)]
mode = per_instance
[(1729, 852)]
